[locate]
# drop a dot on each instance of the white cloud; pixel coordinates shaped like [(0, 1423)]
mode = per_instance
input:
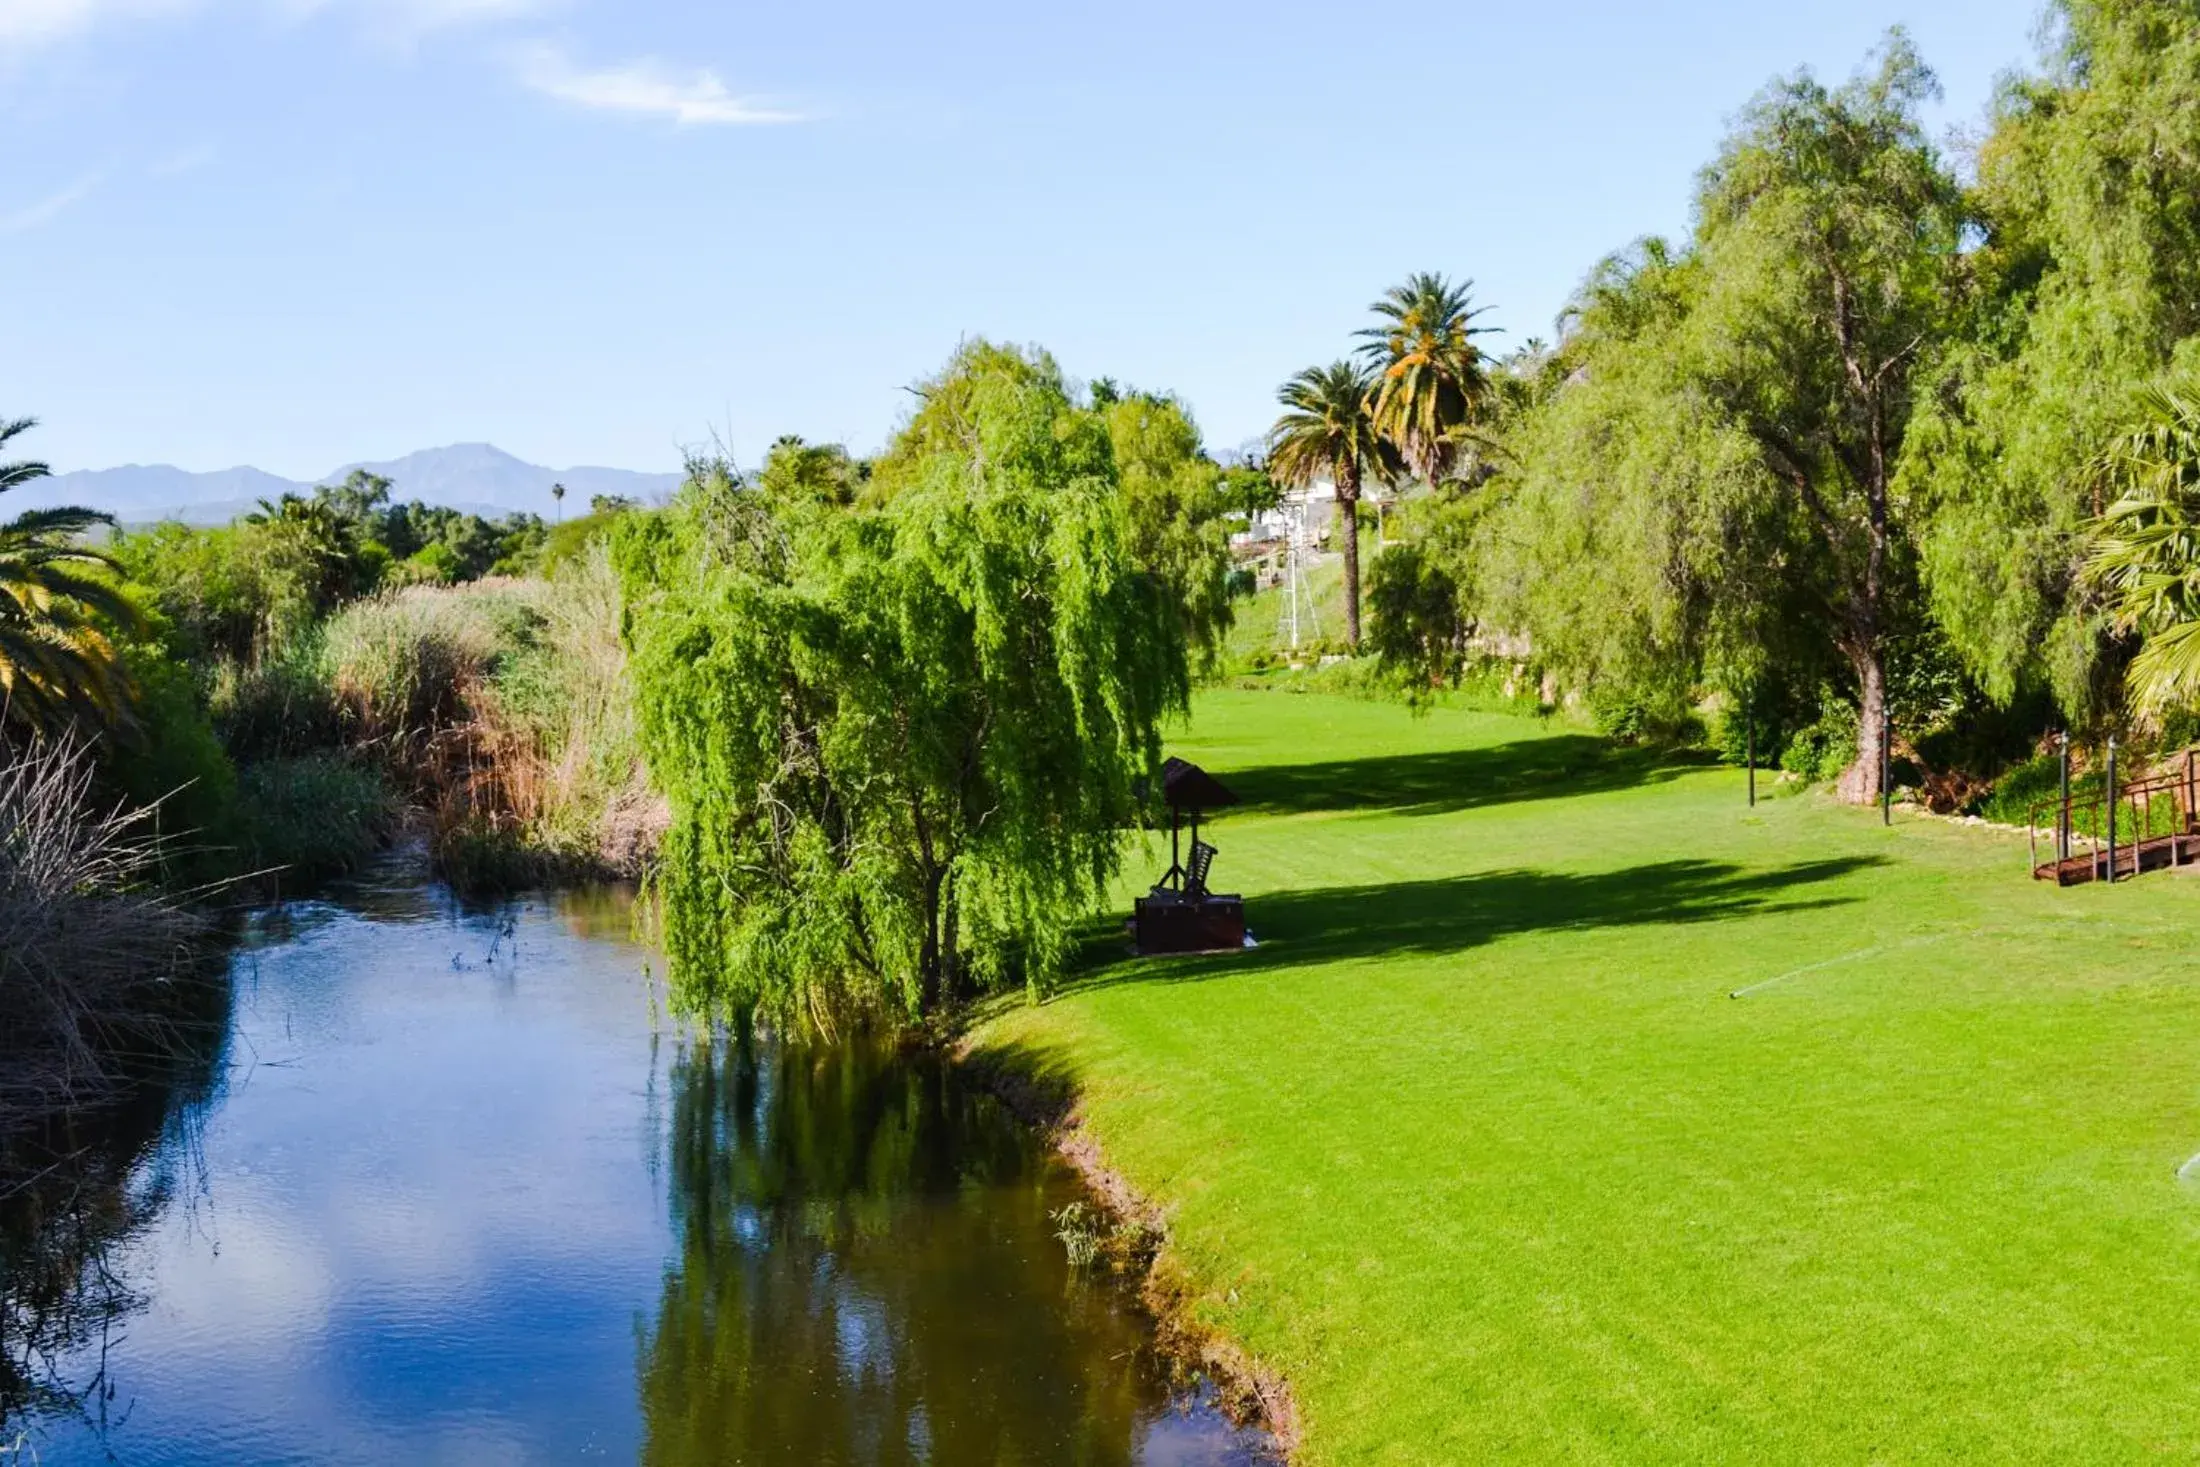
[(645, 87), (27, 23), (46, 210), (409, 20)]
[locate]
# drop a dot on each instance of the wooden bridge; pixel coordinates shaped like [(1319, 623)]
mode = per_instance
[(2155, 824)]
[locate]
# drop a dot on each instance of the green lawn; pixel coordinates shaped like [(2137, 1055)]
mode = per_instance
[(1478, 1150)]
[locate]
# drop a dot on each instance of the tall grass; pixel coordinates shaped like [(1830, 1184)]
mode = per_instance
[(568, 763), (86, 938), (407, 667), (314, 816), (501, 709), (279, 704)]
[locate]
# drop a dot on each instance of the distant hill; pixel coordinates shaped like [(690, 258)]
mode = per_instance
[(477, 477)]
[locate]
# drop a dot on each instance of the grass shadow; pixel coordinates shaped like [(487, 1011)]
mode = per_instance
[(1446, 780), (1455, 913)]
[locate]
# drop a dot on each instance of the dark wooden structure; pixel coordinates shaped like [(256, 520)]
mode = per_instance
[(1180, 915), (2148, 824)]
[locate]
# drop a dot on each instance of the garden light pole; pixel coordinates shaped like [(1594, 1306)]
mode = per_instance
[(1749, 739), (1886, 764), (2111, 810), (2062, 821)]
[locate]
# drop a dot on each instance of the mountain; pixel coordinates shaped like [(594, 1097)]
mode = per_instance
[(145, 491), (480, 473), (471, 476)]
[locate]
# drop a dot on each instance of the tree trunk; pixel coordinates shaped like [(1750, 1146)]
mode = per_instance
[(951, 969), (929, 964), (1348, 511), (1859, 784)]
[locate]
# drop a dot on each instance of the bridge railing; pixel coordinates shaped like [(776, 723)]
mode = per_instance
[(2118, 821)]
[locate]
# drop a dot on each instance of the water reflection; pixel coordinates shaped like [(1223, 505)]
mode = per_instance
[(76, 1191), (867, 1273), (452, 1193)]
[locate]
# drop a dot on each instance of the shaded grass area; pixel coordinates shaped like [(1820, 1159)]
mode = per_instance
[(1480, 1152), (1550, 766)]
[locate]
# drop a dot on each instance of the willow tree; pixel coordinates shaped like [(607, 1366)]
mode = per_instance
[(1175, 498), (1639, 542), (1742, 405), (902, 736), (1830, 232), (2089, 196)]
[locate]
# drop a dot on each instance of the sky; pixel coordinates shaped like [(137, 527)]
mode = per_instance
[(298, 233)]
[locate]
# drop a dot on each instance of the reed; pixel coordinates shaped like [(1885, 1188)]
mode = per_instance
[(87, 939)]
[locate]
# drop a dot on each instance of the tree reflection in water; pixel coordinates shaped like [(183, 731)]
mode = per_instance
[(867, 1273), (75, 1189)]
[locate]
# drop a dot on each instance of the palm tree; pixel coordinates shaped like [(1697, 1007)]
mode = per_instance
[(321, 545), (557, 492), (1434, 388), (55, 659), (2145, 555), (1327, 430)]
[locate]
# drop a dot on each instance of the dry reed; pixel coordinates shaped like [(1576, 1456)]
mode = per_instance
[(86, 940)]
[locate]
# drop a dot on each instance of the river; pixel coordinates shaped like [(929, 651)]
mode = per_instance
[(451, 1188)]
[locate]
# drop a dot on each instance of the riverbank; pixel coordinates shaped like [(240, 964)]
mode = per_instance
[(1129, 1236), (1477, 1151)]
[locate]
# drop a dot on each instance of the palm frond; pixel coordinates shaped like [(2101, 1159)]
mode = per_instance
[(56, 662), (1433, 387), (66, 519), (2144, 551)]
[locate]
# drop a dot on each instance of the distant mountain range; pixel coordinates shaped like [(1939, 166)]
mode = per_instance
[(476, 477)]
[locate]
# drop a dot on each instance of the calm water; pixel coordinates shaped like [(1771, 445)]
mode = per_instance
[(450, 1191)]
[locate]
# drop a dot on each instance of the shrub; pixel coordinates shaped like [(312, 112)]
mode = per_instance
[(1822, 749), (1631, 719), (173, 764), (278, 705), (225, 592), (570, 541), (315, 816), (503, 709)]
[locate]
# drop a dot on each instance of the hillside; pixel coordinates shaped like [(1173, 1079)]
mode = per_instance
[(472, 476)]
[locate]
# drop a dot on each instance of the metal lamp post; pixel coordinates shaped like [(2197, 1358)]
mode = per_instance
[(2111, 805)]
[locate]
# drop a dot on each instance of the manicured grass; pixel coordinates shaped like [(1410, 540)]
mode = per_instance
[(1479, 1151)]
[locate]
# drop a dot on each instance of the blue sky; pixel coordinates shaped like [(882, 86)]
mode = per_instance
[(295, 233)]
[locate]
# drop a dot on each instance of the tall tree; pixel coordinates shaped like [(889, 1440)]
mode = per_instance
[(901, 736), (1327, 431), (1432, 387), (56, 661), (1712, 494), (1830, 231), (1174, 498), (2089, 195)]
